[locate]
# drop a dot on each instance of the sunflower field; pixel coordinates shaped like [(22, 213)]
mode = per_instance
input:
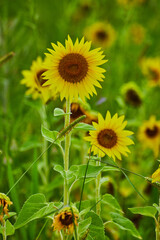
[(79, 119)]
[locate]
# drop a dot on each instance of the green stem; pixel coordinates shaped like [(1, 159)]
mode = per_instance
[(66, 154), (158, 223), (98, 186), (4, 231)]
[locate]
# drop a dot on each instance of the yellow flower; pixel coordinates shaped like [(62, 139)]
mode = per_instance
[(156, 175), (101, 34), (34, 80), (79, 109), (4, 203), (149, 134), (132, 94), (137, 32), (66, 220), (130, 2), (74, 70), (109, 136), (151, 69)]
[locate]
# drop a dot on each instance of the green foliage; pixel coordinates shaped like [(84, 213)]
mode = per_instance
[(50, 136), (111, 202), (84, 126), (145, 211), (83, 226), (9, 228), (59, 112)]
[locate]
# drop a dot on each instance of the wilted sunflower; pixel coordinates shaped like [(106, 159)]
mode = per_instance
[(109, 136), (132, 94), (101, 34), (156, 175), (79, 109), (149, 134), (34, 80), (74, 70), (137, 33), (66, 220), (4, 203), (151, 69)]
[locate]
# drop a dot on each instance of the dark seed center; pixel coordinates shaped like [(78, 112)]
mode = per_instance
[(154, 74), (102, 35), (152, 132), (73, 67), (76, 111), (107, 138), (40, 78), (133, 98), (67, 220)]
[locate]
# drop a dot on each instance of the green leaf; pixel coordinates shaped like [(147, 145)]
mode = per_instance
[(110, 168), (83, 226), (9, 228), (111, 202), (34, 208), (59, 112), (65, 174), (50, 136), (96, 228), (157, 207), (10, 214), (92, 171), (125, 224), (84, 126), (148, 211)]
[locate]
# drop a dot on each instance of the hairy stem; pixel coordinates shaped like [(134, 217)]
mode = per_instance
[(98, 194)]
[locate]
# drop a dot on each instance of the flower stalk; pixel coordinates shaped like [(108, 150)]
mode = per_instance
[(66, 154), (98, 189)]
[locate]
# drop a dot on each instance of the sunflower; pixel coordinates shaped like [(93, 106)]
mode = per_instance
[(66, 220), (137, 33), (34, 80), (151, 69), (109, 136), (4, 203), (156, 175), (101, 34), (132, 94), (149, 134), (74, 70)]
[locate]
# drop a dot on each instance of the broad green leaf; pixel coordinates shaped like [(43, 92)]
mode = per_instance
[(34, 208), (125, 224), (59, 112), (157, 207), (148, 211), (104, 180), (50, 136), (9, 228), (96, 228), (10, 214), (83, 226), (111, 202), (92, 171), (84, 126), (110, 168), (65, 174)]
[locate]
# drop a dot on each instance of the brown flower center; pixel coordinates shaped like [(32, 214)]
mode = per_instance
[(107, 138), (152, 132), (101, 35), (73, 67), (133, 98), (40, 78), (155, 75), (67, 219), (76, 111)]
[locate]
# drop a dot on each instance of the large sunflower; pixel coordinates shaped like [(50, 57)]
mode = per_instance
[(149, 134), (74, 70), (109, 136), (151, 69), (101, 34), (34, 80)]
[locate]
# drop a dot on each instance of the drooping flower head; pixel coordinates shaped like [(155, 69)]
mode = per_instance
[(149, 134), (101, 34), (109, 136), (4, 203), (66, 220), (151, 69), (74, 70), (34, 80), (132, 94)]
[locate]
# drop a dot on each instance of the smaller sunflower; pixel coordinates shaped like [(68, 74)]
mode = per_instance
[(66, 220), (109, 136), (34, 80), (4, 203), (149, 134), (156, 175), (137, 33), (101, 34), (132, 94), (151, 69)]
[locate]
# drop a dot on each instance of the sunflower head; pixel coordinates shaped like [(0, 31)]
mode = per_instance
[(137, 33), (66, 220), (101, 34), (132, 94), (74, 70), (34, 80), (109, 136), (156, 175), (149, 134), (151, 69), (4, 203)]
